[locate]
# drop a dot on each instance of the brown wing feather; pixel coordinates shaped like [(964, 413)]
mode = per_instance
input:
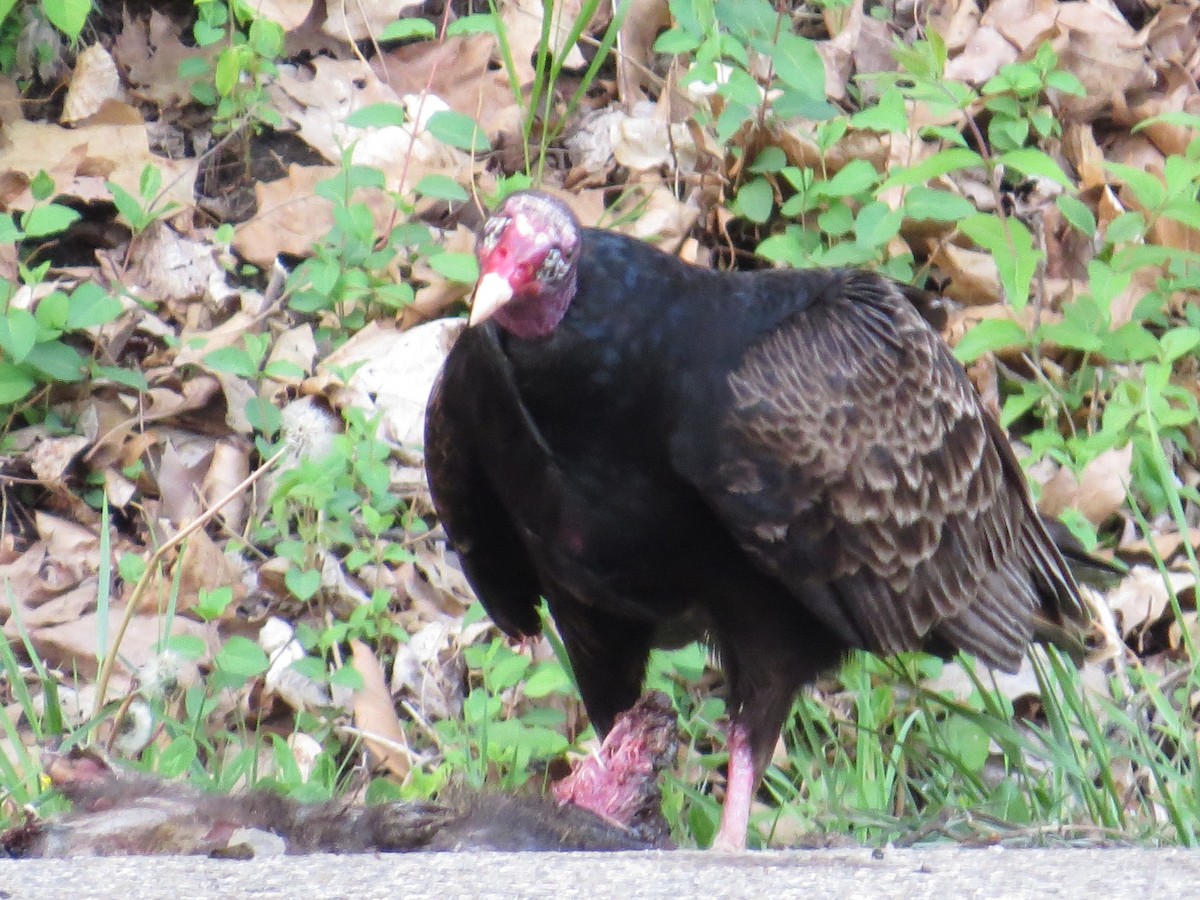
[(856, 455)]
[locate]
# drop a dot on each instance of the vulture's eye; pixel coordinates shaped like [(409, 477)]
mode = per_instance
[(554, 266), (492, 230)]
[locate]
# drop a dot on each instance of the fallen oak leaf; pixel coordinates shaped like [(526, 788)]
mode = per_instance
[(375, 715)]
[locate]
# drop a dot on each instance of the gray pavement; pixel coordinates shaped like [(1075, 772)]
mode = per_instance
[(949, 873)]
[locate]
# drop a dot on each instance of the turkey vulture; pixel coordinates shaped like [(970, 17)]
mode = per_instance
[(787, 464)]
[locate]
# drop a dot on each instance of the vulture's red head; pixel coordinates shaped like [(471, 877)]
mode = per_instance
[(527, 258)]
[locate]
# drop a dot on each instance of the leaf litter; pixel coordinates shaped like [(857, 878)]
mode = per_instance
[(164, 455)]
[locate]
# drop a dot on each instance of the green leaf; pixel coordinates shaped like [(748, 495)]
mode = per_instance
[(68, 16), (128, 206), (15, 383), (989, 336), (51, 313), (1186, 211), (49, 219), (346, 677), (241, 657), (755, 200), (459, 131), (91, 306), (939, 164), (9, 232), (1031, 161), (442, 187), (42, 186), (231, 360), (741, 88), (1011, 244), (1178, 342), (377, 115), (178, 756), (407, 29), (888, 115), (303, 584), (263, 415), (799, 65), (284, 370), (1130, 343), (130, 378), (1068, 84), (876, 224), (6, 6), (188, 646), (1146, 186), (675, 41), (856, 177), (507, 671), (58, 361), (1077, 214), (212, 604), (1128, 226), (479, 23), (228, 71), (461, 267), (927, 204), (772, 159), (547, 678), (18, 334)]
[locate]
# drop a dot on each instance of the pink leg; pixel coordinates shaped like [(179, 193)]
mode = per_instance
[(739, 791)]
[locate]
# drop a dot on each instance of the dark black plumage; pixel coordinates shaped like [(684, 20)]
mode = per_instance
[(788, 463)]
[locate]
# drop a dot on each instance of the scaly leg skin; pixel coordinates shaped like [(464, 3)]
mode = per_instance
[(739, 791)]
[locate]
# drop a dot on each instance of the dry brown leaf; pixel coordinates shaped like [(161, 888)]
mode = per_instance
[(51, 457), (66, 607), (203, 567), (643, 22), (1099, 48), (646, 141), (1082, 151), (457, 70), (393, 372), (522, 23), (319, 99), (1098, 493), (229, 467), (21, 579), (80, 160), (291, 218), (429, 669), (1143, 597), (150, 54), (94, 82), (375, 715), (291, 14), (169, 267), (954, 21), (873, 51), (1165, 545), (365, 19), (295, 347), (70, 545), (986, 53), (185, 460), (663, 219), (1026, 23), (71, 646), (973, 277)]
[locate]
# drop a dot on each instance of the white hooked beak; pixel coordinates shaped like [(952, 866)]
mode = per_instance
[(492, 292)]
